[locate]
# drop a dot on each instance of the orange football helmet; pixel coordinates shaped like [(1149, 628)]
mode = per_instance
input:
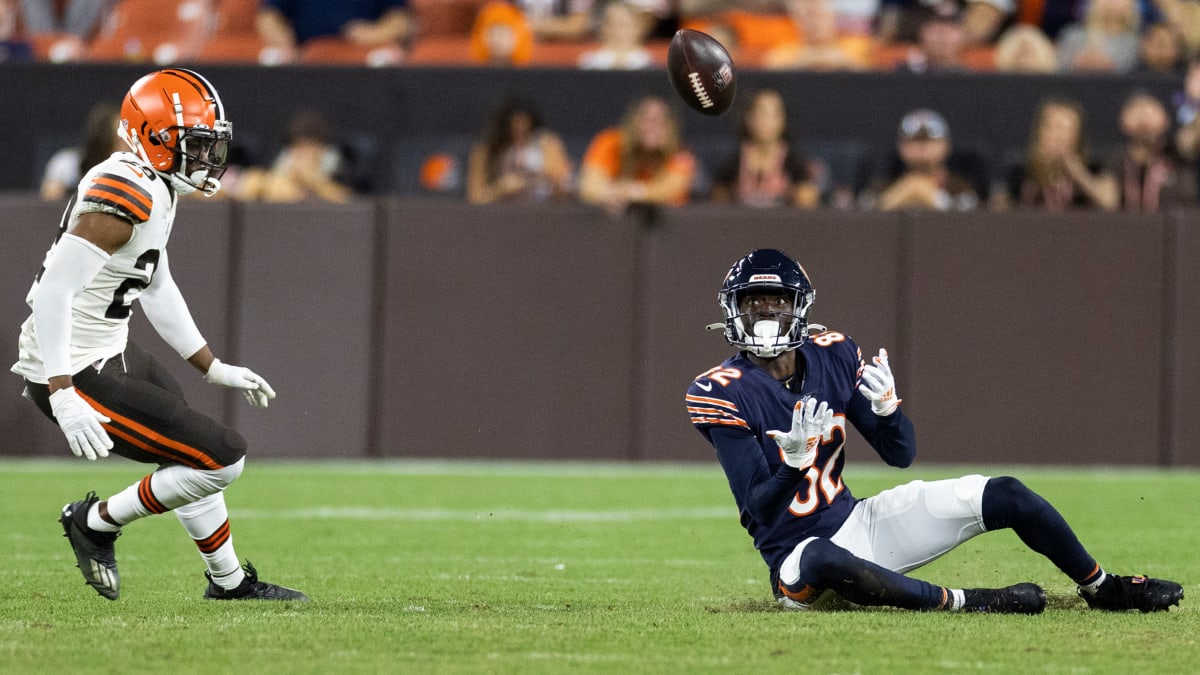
[(173, 119)]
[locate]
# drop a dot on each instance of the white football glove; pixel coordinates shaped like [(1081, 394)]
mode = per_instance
[(80, 423), (810, 420), (879, 385), (256, 390)]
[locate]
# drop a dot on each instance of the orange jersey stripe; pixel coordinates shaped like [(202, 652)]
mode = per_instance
[(106, 195), (709, 411), (126, 188), (696, 419), (711, 401), (198, 458)]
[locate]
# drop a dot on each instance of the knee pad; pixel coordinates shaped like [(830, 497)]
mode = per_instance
[(226, 475), (821, 560), (1003, 499)]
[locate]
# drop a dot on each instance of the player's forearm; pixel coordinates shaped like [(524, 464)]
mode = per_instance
[(167, 311), (765, 495), (893, 437)]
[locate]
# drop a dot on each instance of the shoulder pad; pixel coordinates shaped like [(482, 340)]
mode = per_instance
[(122, 186)]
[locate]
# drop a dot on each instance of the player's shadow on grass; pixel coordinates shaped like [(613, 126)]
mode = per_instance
[(834, 603)]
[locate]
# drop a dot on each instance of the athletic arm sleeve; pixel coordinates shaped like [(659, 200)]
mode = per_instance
[(763, 494), (168, 312), (893, 437), (72, 264)]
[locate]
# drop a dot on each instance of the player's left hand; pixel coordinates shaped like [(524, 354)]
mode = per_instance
[(879, 385), (256, 390)]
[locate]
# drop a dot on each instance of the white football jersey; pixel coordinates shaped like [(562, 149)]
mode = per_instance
[(124, 186)]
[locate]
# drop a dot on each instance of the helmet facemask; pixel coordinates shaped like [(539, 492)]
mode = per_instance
[(769, 332), (200, 159)]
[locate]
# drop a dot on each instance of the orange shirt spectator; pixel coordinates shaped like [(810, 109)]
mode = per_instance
[(642, 162)]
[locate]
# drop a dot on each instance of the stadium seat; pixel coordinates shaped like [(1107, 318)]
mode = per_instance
[(160, 31), (57, 47), (442, 50), (437, 18), (331, 50), (236, 37)]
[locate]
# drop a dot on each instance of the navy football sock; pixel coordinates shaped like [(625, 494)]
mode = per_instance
[(1008, 503)]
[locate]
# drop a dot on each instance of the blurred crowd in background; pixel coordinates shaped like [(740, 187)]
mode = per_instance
[(1006, 35), (644, 157)]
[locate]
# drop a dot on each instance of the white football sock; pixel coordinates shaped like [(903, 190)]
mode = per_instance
[(207, 522), (95, 522), (1091, 588), (957, 599)]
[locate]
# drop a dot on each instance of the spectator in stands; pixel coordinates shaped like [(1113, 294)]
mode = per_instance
[(623, 31), (68, 165), (642, 162), (900, 20), (310, 166), (501, 36), (518, 159), (1160, 49), (766, 169), (940, 42), (1025, 49), (1187, 116), (755, 26), (565, 20), (1148, 170), (984, 20), (924, 179), (1106, 39), (12, 48), (286, 25), (1057, 173), (822, 49), (80, 18)]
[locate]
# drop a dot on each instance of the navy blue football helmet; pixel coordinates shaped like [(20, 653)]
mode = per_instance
[(770, 270)]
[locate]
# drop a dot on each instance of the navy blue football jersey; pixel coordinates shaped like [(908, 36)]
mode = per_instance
[(734, 406)]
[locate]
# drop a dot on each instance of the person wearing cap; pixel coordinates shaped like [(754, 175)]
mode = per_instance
[(925, 180), (940, 41)]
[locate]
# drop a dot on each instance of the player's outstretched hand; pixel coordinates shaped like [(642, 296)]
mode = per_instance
[(80, 423), (810, 420), (256, 390), (879, 385)]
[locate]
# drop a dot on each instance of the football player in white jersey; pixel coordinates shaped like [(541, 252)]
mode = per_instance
[(104, 392)]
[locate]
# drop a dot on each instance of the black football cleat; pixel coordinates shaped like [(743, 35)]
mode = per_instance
[(94, 553), (1016, 599), (251, 589), (1136, 592)]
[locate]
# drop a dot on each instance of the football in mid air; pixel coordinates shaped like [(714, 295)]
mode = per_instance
[(701, 71)]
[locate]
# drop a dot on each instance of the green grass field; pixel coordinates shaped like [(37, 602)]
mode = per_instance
[(538, 568)]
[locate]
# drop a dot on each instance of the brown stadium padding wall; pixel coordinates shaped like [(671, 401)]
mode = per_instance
[(413, 327), (433, 329)]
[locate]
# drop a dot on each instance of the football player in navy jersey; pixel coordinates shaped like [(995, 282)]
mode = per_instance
[(103, 391), (776, 413)]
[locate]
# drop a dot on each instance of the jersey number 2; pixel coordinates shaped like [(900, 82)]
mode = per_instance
[(120, 306)]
